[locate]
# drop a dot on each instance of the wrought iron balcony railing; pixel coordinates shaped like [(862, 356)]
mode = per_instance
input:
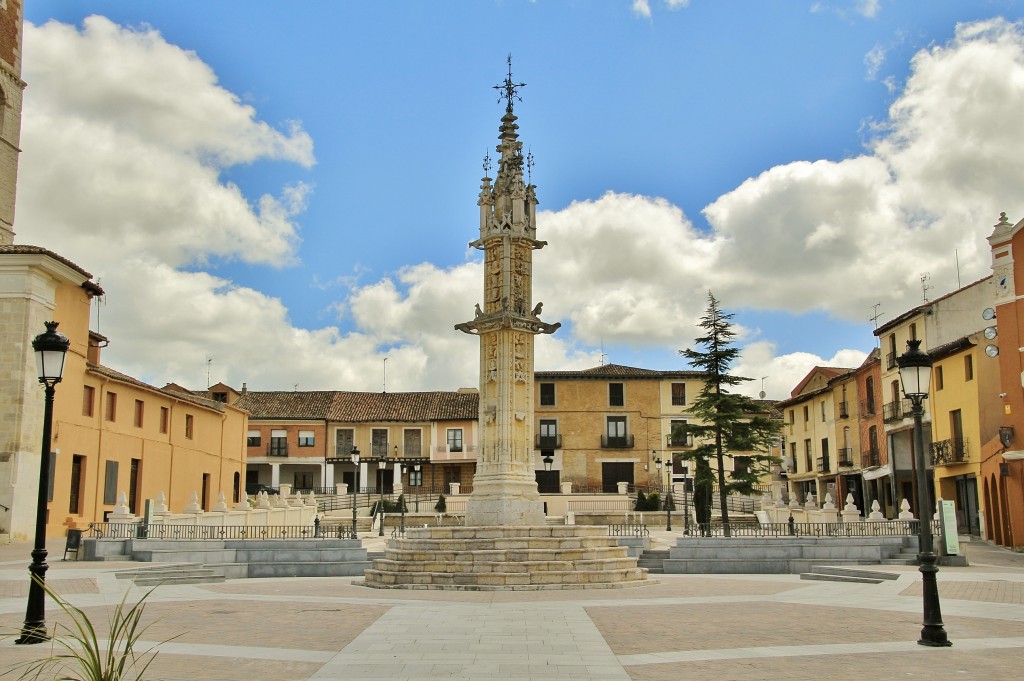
[(684, 441), (823, 464), (844, 410), (844, 457), (617, 441), (548, 441), (870, 458), (949, 452), (890, 360), (896, 410)]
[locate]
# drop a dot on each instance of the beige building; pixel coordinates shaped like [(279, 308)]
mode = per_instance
[(417, 442)]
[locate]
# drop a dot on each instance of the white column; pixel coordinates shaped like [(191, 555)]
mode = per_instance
[(363, 473), (275, 475), (398, 478)]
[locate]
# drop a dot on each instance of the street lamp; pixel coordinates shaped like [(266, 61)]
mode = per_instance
[(355, 484), (380, 487), (50, 348), (547, 462), (686, 500), (915, 375), (419, 483)]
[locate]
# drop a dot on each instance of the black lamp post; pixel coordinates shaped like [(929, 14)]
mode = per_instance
[(686, 500), (355, 484), (381, 467), (419, 481), (50, 348), (915, 375)]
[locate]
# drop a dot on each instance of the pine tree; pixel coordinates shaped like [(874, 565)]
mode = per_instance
[(729, 422)]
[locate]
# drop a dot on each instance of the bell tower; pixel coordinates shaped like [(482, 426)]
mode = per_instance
[(505, 487)]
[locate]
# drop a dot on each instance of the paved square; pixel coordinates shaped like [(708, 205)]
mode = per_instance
[(721, 627)]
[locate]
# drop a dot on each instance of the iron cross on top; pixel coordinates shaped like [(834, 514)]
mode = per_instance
[(510, 89)]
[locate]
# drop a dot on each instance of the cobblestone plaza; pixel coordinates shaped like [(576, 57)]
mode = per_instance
[(742, 627)]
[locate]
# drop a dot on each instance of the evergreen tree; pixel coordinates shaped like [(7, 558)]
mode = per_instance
[(729, 422), (703, 483)]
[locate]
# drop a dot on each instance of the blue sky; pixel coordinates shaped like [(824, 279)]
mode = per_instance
[(289, 188)]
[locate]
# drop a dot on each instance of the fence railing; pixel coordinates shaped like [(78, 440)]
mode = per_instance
[(888, 528), (214, 532), (616, 504), (628, 530)]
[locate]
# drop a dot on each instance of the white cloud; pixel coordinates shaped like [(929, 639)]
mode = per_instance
[(868, 8), (874, 60), (782, 373), (156, 132), (642, 8)]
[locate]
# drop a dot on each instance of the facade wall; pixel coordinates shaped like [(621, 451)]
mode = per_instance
[(11, 88)]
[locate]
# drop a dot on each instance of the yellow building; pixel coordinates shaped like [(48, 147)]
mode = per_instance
[(965, 408)]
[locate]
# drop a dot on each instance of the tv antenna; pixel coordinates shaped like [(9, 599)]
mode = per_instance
[(209, 361), (926, 277)]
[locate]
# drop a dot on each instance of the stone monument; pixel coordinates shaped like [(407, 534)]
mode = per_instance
[(506, 542)]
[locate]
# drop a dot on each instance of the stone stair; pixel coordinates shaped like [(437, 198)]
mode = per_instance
[(653, 561), (505, 558), (186, 573), (834, 573)]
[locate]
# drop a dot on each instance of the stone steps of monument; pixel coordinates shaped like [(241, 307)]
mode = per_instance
[(189, 573), (419, 553), (481, 581), (512, 566), (507, 543)]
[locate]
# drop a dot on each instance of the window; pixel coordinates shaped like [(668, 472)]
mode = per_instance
[(869, 388), (344, 439), (938, 378), (740, 466), (77, 461), (792, 417), (415, 478), (306, 439), (303, 480), (412, 442), (88, 400), (379, 442), (189, 428), (808, 456), (455, 439), (616, 396), (253, 438), (140, 408), (615, 432), (807, 416), (278, 443), (823, 411), (678, 394), (890, 358), (913, 332), (678, 437), (968, 368), (547, 394), (111, 413), (110, 483), (220, 397), (548, 434), (165, 417)]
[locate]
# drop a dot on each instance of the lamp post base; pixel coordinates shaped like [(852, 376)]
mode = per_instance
[(933, 632)]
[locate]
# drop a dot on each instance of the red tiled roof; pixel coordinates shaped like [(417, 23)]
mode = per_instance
[(287, 404), (422, 406), (22, 249), (125, 378)]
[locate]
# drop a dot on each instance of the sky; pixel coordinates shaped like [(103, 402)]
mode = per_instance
[(282, 194)]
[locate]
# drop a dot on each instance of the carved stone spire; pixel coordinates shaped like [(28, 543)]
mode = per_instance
[(504, 487)]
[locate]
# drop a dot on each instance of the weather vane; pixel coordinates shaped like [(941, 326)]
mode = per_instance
[(529, 166), (487, 163), (510, 89)]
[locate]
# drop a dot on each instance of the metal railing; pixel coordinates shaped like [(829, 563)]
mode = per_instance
[(895, 410), (867, 408), (610, 505), (888, 528), (844, 410), (890, 360), (617, 441), (216, 532), (844, 457), (948, 452), (684, 441), (823, 464), (871, 458), (548, 442), (628, 530)]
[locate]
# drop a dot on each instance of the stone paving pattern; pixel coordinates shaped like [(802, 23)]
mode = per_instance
[(721, 627)]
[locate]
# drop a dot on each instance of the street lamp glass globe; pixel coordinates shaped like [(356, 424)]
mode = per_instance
[(50, 347)]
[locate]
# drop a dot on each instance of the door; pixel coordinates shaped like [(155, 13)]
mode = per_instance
[(614, 472)]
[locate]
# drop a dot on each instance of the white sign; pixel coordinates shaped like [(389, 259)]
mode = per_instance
[(947, 518)]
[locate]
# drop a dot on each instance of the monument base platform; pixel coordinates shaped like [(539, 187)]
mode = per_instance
[(505, 558)]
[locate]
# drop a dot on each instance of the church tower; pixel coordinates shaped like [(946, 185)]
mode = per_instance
[(505, 487)]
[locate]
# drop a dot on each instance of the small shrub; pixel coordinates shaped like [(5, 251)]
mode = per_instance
[(441, 506)]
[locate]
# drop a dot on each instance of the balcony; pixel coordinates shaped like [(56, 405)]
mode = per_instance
[(844, 410), (548, 441), (679, 441), (616, 441), (890, 360), (444, 452), (870, 458), (896, 410), (844, 457), (867, 408), (949, 452), (823, 464)]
